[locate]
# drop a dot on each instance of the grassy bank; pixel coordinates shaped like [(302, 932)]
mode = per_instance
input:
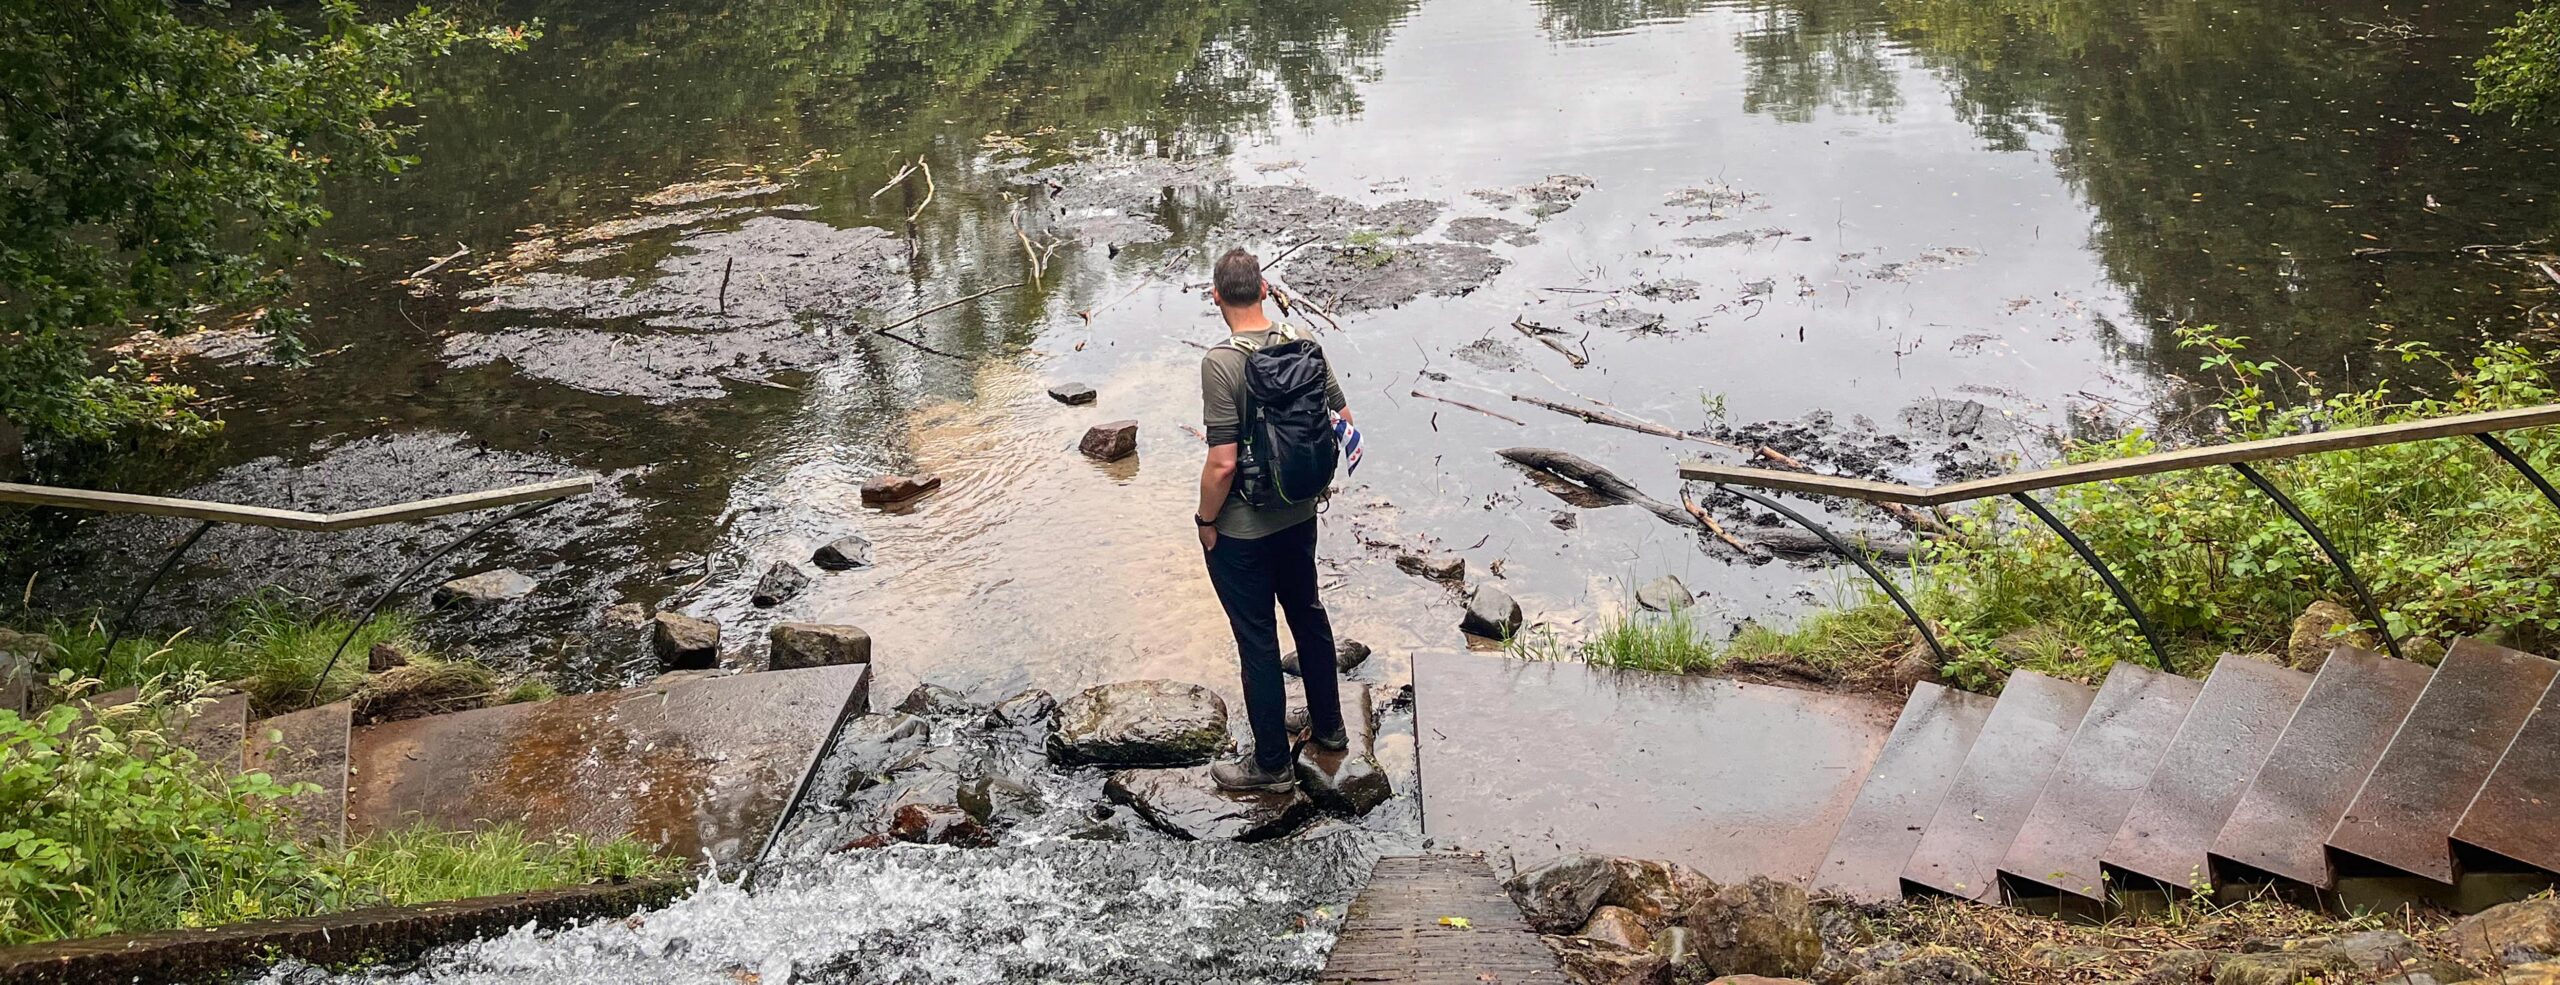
[(106, 827), (2451, 541)]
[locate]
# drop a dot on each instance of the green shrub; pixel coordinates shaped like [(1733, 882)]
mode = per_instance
[(271, 645), (1670, 642), (105, 828)]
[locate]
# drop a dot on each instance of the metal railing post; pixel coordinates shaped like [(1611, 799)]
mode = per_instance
[(2381, 626), (115, 633), (1856, 557), (2142, 621), (2520, 465)]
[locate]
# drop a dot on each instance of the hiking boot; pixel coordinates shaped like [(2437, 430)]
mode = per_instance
[(1245, 775), (1335, 741)]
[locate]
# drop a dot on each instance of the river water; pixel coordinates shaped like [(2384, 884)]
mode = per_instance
[(680, 233)]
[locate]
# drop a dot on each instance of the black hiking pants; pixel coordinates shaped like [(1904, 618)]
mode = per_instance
[(1250, 576)]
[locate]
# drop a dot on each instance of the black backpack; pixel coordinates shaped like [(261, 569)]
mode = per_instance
[(1288, 449)]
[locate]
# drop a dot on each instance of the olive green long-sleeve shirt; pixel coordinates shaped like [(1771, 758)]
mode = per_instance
[(1222, 397)]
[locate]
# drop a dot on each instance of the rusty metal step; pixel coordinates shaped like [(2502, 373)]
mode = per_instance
[(307, 746), (2517, 812), (1400, 928), (2472, 709), (2282, 824), (1959, 853), (2111, 759), (2227, 734), (214, 730), (1919, 762)]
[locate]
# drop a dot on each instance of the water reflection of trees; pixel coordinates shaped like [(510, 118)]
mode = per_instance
[(2236, 155)]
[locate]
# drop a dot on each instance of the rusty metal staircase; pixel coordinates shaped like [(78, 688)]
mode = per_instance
[(2373, 781)]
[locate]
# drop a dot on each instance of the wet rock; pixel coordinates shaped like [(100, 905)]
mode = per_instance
[(2423, 650), (2537, 973), (1564, 520), (795, 645), (937, 701), (924, 824), (487, 587), (1558, 896), (1916, 665), (626, 617), (2510, 934), (1437, 567), (1348, 655), (2182, 967), (683, 642), (383, 656), (1146, 723), (1490, 354), (1617, 925), (1929, 966), (1654, 890), (1110, 442), (1072, 394), (2390, 955), (1348, 783), (2281, 967), (1591, 962), (1674, 942), (1027, 708), (780, 583), (1000, 801), (884, 490), (1491, 613), (843, 554), (1187, 804), (2322, 627), (870, 744), (1758, 927), (1664, 594)]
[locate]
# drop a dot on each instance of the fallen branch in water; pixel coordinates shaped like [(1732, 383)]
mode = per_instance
[(1469, 406), (918, 316), (1598, 481), (1709, 520), (921, 347), (1542, 333), (894, 180), (2549, 271), (466, 251), (928, 191), (1616, 420)]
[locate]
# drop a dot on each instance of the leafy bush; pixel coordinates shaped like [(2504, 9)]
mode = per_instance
[(2520, 76), (108, 827)]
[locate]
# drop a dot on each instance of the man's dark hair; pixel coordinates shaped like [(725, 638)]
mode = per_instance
[(1239, 279)]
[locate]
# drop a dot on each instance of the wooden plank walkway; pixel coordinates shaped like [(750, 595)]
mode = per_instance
[(1394, 934)]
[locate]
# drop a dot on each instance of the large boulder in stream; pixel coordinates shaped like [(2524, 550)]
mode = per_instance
[(797, 645), (485, 588), (779, 584), (1186, 803), (1491, 613), (1150, 723), (683, 642)]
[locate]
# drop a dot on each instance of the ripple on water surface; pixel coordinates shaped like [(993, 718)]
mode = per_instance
[(1196, 913)]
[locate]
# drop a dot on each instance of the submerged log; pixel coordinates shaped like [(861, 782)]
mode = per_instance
[(1597, 481)]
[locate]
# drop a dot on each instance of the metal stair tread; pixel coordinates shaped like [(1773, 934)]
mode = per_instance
[(1960, 851), (2443, 753), (2517, 811), (2110, 760), (2282, 824), (1920, 760), (2235, 721), (307, 746)]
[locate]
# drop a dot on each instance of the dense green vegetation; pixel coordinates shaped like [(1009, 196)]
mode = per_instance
[(107, 826), (2520, 76), (158, 162), (2451, 541)]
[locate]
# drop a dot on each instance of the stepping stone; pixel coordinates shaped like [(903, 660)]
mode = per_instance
[(2020, 745), (2471, 710), (1911, 776), (2346, 720), (2517, 813), (2117, 748), (2168, 834), (307, 746), (1437, 920), (1072, 394)]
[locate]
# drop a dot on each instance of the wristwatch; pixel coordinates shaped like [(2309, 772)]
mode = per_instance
[(1203, 521)]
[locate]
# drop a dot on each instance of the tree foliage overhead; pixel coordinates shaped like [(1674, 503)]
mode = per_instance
[(157, 163), (2520, 75)]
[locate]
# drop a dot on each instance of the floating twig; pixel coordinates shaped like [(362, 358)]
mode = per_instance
[(725, 267), (1461, 403), (918, 316), (928, 191), (886, 334), (1712, 526), (440, 262), (1544, 335), (1616, 420), (894, 180)]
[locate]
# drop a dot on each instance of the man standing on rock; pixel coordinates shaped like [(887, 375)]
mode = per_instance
[(1266, 397)]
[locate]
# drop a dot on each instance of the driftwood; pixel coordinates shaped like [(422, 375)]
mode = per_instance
[(466, 251), (1599, 482), (919, 316), (1545, 336), (1616, 420), (1461, 403), (1709, 520)]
